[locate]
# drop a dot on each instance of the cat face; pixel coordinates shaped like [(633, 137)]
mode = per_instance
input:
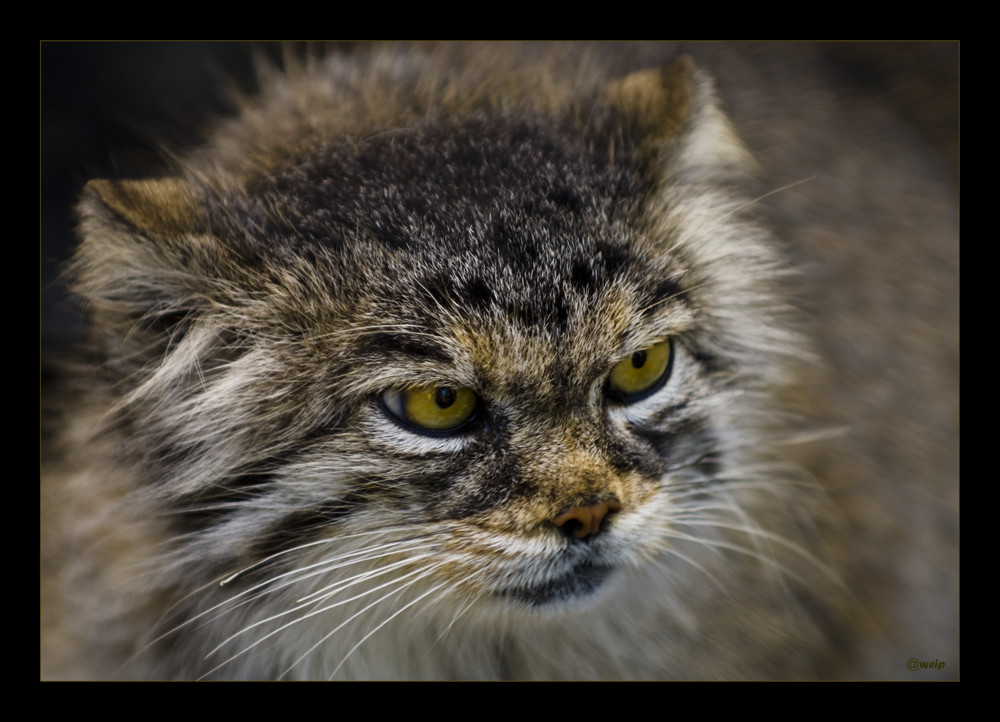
[(482, 363), (494, 357)]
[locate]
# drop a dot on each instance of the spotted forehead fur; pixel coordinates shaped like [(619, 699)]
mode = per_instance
[(479, 243)]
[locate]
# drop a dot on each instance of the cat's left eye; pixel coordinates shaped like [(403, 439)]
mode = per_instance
[(436, 409), (642, 373)]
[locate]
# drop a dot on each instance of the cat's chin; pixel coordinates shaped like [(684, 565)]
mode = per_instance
[(579, 585)]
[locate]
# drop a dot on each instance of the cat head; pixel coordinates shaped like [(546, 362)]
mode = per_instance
[(498, 343)]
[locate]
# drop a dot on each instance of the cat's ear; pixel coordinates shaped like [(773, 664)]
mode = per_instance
[(675, 114), (656, 103), (157, 207), (144, 253)]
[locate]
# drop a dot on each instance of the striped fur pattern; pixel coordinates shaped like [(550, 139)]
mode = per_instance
[(399, 218)]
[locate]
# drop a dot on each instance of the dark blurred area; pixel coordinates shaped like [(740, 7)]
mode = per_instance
[(109, 110)]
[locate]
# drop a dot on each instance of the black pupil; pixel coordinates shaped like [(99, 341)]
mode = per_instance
[(638, 359), (445, 397)]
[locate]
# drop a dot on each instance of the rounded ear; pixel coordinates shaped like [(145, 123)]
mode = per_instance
[(144, 259), (674, 112), (157, 207), (656, 103)]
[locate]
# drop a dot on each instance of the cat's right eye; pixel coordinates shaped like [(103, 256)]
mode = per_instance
[(436, 409), (642, 373)]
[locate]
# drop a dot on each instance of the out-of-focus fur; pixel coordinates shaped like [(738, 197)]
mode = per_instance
[(230, 497)]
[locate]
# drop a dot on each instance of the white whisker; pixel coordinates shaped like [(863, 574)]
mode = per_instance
[(419, 573), (304, 617), (389, 619)]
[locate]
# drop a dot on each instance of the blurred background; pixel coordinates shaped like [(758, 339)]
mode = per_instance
[(106, 109)]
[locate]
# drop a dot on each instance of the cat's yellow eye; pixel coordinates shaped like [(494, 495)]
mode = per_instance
[(432, 408), (641, 373)]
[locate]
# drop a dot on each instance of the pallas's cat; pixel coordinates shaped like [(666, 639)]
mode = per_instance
[(518, 362)]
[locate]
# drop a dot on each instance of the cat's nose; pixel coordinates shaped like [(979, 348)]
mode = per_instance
[(584, 521)]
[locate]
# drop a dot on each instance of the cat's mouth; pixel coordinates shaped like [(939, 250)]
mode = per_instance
[(581, 581)]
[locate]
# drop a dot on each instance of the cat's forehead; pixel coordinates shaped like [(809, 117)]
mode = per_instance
[(493, 250), (515, 189), (513, 332), (505, 223)]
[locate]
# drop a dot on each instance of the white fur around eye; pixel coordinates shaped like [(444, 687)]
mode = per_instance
[(390, 435), (642, 412)]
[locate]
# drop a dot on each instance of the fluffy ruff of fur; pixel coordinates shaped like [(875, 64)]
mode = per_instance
[(394, 218)]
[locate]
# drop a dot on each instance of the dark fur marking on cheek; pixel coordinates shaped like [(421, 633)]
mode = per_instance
[(202, 511), (625, 456), (173, 326), (712, 364), (496, 482), (683, 444), (302, 526)]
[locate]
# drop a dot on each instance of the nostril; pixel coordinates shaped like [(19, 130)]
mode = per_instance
[(585, 520)]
